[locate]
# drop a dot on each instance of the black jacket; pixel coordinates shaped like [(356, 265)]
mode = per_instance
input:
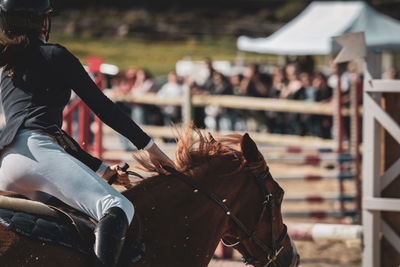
[(35, 95)]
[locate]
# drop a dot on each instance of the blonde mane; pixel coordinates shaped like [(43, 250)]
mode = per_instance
[(194, 149)]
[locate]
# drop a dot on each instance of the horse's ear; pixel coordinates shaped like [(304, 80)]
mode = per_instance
[(249, 149)]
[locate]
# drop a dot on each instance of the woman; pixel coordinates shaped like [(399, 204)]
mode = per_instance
[(35, 87)]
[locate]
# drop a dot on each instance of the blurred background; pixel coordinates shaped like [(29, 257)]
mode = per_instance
[(156, 34), (302, 110)]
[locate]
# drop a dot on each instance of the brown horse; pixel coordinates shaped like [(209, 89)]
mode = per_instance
[(224, 193)]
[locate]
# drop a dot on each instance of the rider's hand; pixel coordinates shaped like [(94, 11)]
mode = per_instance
[(159, 159), (123, 178)]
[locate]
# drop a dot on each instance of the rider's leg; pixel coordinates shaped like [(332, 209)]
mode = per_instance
[(36, 163)]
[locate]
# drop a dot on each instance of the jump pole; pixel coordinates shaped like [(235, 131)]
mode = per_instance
[(319, 214), (319, 198), (316, 177), (324, 232), (311, 159)]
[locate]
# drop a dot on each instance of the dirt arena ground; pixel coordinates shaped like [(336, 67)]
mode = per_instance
[(323, 254)]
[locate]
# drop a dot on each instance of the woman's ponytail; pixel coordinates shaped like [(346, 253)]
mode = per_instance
[(20, 33), (13, 51)]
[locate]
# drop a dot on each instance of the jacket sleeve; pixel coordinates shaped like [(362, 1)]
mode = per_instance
[(74, 76)]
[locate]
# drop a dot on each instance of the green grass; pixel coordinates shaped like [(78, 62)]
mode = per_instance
[(159, 57)]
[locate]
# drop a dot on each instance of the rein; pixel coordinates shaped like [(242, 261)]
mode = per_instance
[(271, 252)]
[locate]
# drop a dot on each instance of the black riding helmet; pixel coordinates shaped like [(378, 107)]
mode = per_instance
[(24, 17), (34, 7)]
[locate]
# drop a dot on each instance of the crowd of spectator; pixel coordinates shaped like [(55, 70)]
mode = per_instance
[(292, 82)]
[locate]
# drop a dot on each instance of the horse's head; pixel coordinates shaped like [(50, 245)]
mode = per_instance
[(257, 230)]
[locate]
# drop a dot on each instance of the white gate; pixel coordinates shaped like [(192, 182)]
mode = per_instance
[(376, 119)]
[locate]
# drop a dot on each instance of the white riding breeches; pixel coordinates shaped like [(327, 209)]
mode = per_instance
[(35, 165)]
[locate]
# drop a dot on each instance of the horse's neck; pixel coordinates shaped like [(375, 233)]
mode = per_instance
[(179, 223)]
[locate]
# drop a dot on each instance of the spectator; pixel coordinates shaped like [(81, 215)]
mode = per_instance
[(254, 83), (124, 82), (123, 85), (322, 125), (208, 83), (220, 85), (278, 82), (276, 120), (309, 90), (239, 122), (309, 96), (293, 88), (293, 91), (216, 117), (145, 114), (173, 88), (143, 83), (324, 92), (235, 81)]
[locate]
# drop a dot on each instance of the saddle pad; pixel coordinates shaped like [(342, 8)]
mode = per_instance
[(57, 231), (43, 228)]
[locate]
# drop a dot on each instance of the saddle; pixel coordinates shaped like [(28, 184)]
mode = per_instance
[(57, 223)]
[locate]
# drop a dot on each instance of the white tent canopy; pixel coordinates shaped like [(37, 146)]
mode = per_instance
[(311, 32)]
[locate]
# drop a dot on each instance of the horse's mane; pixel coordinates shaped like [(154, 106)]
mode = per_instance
[(194, 149)]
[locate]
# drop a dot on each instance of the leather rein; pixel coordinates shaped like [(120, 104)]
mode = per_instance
[(272, 252)]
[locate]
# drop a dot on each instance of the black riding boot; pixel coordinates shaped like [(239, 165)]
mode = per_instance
[(110, 236)]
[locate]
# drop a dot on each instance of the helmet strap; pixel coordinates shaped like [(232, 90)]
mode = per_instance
[(47, 32)]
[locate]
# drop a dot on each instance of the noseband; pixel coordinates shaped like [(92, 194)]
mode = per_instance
[(272, 252)]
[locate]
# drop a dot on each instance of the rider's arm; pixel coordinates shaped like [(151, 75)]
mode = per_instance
[(73, 75)]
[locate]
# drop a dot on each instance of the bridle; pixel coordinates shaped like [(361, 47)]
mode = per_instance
[(272, 252)]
